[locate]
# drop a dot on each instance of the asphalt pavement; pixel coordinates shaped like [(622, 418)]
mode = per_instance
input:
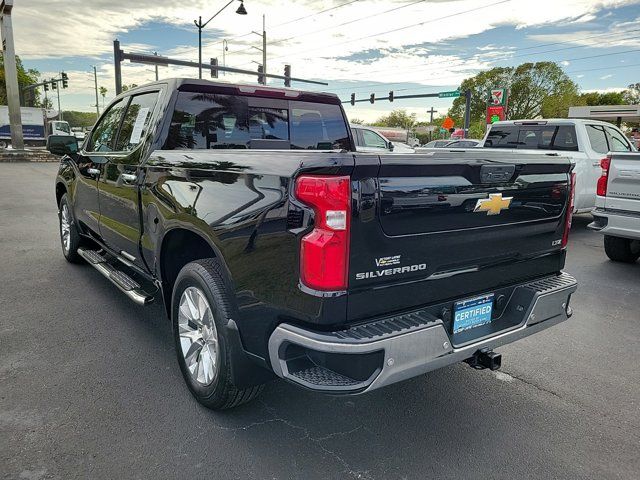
[(90, 386)]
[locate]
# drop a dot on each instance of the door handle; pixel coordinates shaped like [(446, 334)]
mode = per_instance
[(596, 164), (93, 171), (128, 177)]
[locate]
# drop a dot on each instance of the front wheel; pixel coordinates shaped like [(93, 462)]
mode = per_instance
[(621, 249), (69, 236), (200, 310)]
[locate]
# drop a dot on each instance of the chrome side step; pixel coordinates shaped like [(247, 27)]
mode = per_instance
[(124, 282)]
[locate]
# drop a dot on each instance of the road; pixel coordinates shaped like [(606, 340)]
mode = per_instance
[(90, 387)]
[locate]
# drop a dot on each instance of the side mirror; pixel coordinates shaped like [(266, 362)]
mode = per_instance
[(391, 146), (62, 144)]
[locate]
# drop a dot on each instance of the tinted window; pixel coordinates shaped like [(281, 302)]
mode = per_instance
[(136, 121), (536, 137), (617, 141), (316, 126), (104, 133), (372, 139), (206, 120), (597, 138)]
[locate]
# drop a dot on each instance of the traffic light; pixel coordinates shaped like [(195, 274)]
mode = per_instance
[(65, 80), (353, 99), (46, 87), (287, 75), (214, 70), (54, 84), (372, 97), (261, 78), (391, 96)]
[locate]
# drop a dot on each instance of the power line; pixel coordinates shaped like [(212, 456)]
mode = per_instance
[(462, 59), (573, 59), (406, 27), (292, 21), (359, 19)]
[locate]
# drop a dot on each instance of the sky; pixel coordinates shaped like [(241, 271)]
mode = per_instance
[(361, 47)]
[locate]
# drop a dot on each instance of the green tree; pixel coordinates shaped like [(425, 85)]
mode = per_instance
[(397, 118), (26, 77), (535, 89), (356, 121), (632, 94), (598, 98), (128, 87), (103, 92), (80, 119)]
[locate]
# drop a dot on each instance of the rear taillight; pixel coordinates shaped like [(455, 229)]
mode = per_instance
[(324, 252), (569, 216), (601, 190)]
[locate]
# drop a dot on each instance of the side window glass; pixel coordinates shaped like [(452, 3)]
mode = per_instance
[(372, 139), (136, 121), (104, 134), (597, 138), (617, 141)]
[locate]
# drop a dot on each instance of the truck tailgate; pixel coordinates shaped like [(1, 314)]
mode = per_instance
[(623, 190), (445, 226)]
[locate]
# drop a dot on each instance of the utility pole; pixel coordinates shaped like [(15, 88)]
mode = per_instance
[(156, 65), (11, 74), (264, 48), (95, 81), (431, 112), (467, 113), (225, 49), (59, 109)]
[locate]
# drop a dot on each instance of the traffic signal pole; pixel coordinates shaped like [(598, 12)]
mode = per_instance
[(119, 56)]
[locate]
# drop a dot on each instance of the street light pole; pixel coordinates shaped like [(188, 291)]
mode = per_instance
[(198, 23)]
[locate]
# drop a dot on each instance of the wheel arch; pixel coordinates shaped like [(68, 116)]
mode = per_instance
[(178, 247)]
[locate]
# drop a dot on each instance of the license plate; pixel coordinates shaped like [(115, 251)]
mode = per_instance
[(472, 313)]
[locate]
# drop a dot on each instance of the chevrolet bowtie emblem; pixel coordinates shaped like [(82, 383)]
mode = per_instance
[(493, 205)]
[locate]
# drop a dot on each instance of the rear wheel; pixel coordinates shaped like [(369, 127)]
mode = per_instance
[(200, 310), (621, 249), (69, 237)]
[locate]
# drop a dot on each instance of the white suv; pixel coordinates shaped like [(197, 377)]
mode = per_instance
[(585, 141)]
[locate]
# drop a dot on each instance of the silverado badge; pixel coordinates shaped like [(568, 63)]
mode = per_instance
[(493, 205)]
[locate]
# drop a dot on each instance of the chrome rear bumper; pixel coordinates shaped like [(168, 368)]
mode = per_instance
[(389, 350)]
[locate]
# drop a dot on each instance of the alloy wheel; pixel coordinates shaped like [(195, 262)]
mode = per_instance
[(198, 336)]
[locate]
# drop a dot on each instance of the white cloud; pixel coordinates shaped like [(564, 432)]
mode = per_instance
[(605, 77), (46, 29)]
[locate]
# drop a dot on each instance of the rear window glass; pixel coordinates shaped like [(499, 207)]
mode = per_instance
[(533, 137), (212, 121)]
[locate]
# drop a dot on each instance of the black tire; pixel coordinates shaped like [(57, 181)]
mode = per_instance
[(621, 249), (206, 276), (70, 250)]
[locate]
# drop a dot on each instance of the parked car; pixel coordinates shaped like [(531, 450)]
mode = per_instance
[(436, 144), (463, 143), (617, 212), (369, 140), (586, 142), (279, 251)]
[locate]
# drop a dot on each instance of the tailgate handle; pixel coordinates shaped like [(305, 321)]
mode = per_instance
[(496, 173)]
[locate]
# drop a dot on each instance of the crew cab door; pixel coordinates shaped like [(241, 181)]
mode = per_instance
[(90, 161), (120, 227)]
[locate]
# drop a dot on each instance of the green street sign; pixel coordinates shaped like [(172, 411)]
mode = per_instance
[(455, 93)]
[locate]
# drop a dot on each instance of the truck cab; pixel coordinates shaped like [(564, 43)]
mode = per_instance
[(59, 127)]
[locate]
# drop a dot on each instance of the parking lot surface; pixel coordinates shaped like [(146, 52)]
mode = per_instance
[(90, 387)]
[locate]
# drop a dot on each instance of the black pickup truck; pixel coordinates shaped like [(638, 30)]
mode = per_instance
[(278, 250)]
